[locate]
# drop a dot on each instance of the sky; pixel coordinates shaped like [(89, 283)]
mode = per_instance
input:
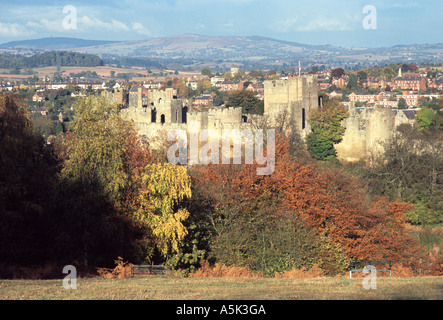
[(318, 22)]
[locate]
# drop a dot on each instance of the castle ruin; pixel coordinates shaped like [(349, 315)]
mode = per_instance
[(157, 112), (369, 128)]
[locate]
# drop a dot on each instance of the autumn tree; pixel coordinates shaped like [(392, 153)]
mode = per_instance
[(257, 74), (299, 201), (96, 145), (104, 151), (157, 206), (99, 156), (182, 89), (250, 227), (337, 73), (203, 86)]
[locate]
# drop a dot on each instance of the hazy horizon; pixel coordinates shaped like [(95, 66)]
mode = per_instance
[(205, 35), (319, 22)]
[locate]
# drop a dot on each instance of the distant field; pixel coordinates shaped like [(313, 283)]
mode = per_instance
[(103, 71), (174, 288), (15, 76)]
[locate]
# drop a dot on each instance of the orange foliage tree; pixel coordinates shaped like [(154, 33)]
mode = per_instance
[(330, 201)]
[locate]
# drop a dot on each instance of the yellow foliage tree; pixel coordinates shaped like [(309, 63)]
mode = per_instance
[(164, 186)]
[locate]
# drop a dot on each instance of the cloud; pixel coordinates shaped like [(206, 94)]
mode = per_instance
[(140, 29), (86, 23), (284, 25), (45, 24), (321, 24), (13, 30)]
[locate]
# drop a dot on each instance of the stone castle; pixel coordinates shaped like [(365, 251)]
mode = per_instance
[(156, 112)]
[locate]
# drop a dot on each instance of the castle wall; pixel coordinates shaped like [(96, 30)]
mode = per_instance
[(379, 128), (365, 133), (353, 146)]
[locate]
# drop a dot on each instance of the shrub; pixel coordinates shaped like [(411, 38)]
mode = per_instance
[(121, 270)]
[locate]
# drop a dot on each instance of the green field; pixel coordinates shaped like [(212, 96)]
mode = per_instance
[(174, 288)]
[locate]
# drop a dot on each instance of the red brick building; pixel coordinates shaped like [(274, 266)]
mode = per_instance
[(256, 87), (38, 97), (205, 99), (230, 86), (414, 84)]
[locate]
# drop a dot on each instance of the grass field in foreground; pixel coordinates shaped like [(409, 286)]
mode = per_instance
[(171, 288)]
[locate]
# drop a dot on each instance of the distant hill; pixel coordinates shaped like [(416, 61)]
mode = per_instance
[(257, 50), (252, 52), (58, 43), (191, 46)]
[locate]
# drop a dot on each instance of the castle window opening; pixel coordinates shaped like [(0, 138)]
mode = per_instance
[(184, 115), (153, 115), (162, 119), (303, 118)]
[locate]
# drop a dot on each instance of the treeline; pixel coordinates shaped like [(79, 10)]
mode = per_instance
[(98, 192), (48, 59)]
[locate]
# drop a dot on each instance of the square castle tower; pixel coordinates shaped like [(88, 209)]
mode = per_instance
[(291, 101)]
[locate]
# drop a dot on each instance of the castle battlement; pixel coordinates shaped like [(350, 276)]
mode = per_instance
[(225, 111)]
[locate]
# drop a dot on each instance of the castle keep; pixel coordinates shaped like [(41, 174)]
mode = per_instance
[(293, 99)]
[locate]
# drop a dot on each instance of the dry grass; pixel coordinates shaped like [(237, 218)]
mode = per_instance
[(221, 271), (175, 288), (220, 282), (314, 272)]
